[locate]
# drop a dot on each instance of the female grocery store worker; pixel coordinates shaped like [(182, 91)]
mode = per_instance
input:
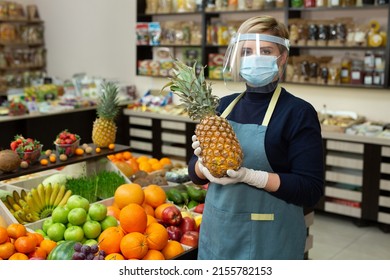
[(256, 212)]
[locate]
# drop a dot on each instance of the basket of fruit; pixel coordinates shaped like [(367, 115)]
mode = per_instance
[(28, 149), (67, 143)]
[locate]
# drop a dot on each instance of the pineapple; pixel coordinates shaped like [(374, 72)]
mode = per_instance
[(104, 127), (220, 147)]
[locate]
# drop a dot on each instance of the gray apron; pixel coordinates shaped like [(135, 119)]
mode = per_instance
[(243, 222)]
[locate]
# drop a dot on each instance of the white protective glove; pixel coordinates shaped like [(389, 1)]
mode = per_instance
[(196, 146), (255, 178)]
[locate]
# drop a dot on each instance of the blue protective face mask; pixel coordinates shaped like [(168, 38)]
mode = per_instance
[(259, 70)]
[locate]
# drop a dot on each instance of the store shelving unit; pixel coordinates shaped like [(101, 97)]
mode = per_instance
[(22, 54), (286, 14)]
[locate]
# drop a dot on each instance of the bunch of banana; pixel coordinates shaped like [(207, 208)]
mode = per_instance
[(38, 203)]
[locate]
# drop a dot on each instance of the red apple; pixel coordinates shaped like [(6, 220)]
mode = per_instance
[(187, 224), (174, 233), (199, 208), (171, 216), (190, 238)]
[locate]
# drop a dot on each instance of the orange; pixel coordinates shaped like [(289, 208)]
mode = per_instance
[(150, 220), (113, 210), (98, 150), (165, 161), (152, 161), (153, 255), (38, 253), (52, 158), (6, 250), (157, 166), (133, 218), (156, 236), (114, 257), (4, 235), (79, 151), (128, 193), (145, 166), (142, 158), (119, 156), (18, 257), (25, 244), (111, 146), (48, 245), (154, 195), (159, 209), (134, 245), (109, 240), (37, 237), (148, 209), (172, 249), (44, 161), (16, 230), (127, 155)]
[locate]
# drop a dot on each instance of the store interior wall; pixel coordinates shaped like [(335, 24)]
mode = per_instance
[(98, 37)]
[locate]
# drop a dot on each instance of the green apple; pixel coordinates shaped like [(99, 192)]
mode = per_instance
[(97, 211), (46, 223), (74, 233), (77, 216), (108, 221), (90, 242), (60, 215), (56, 231), (92, 229), (40, 231), (77, 201)]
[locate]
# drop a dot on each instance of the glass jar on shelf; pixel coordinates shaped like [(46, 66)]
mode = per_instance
[(346, 65)]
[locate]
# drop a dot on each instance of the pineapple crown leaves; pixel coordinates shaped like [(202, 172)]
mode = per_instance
[(108, 106), (194, 92)]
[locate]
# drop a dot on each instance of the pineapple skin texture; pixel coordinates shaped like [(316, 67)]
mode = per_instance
[(103, 132), (220, 147)]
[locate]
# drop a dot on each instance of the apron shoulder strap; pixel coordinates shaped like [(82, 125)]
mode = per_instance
[(270, 108)]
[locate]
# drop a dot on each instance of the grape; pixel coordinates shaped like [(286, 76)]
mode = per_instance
[(85, 249), (77, 247), (78, 256), (95, 258), (102, 253), (90, 256), (94, 248), (101, 257)]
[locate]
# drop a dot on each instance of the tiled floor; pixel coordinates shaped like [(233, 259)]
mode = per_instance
[(339, 238)]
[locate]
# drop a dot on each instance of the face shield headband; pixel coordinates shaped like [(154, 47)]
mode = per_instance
[(251, 65)]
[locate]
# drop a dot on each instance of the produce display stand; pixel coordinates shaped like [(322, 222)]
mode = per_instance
[(37, 167)]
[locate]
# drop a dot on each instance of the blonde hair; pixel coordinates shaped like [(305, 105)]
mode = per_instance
[(259, 24)]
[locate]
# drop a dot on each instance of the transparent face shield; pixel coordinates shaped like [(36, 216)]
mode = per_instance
[(254, 60)]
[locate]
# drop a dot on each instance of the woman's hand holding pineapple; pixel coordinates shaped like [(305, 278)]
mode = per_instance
[(256, 178)]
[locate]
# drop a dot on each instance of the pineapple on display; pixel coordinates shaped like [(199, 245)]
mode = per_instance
[(104, 127), (220, 147)]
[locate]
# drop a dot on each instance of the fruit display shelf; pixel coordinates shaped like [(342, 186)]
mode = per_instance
[(37, 167)]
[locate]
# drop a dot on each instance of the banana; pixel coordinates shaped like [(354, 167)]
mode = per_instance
[(31, 203), (20, 216), (60, 195), (54, 193), (6, 203), (48, 191), (16, 195), (37, 200), (11, 200), (65, 198), (17, 207), (23, 194), (41, 193)]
